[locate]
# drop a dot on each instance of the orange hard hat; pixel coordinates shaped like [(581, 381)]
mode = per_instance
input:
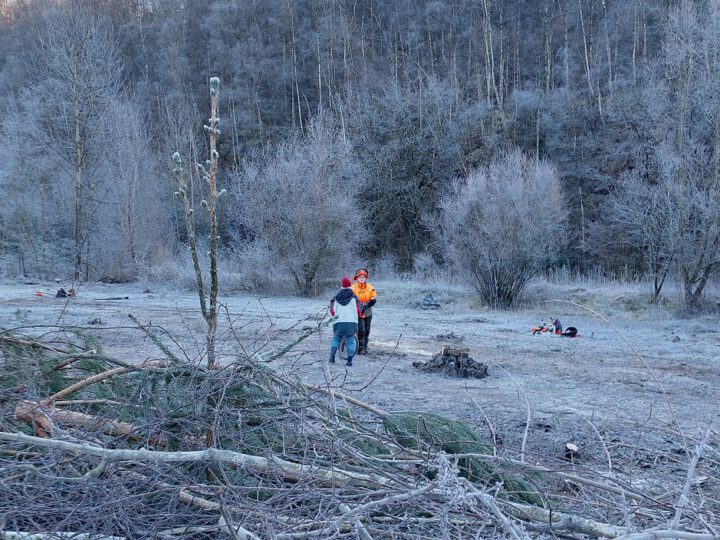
[(360, 272)]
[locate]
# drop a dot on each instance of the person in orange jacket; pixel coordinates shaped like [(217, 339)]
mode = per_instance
[(367, 296)]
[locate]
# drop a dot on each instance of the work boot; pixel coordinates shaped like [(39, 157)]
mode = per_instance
[(349, 361), (333, 350)]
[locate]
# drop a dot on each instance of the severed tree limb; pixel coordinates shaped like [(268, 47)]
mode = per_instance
[(156, 340), (290, 469), (84, 383), (683, 499), (363, 533), (17, 535), (560, 520), (100, 377), (91, 402), (182, 532), (357, 402), (275, 354), (186, 496), (42, 419), (29, 343), (489, 502), (658, 534), (237, 532)]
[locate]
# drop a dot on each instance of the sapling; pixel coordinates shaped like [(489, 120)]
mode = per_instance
[(209, 174)]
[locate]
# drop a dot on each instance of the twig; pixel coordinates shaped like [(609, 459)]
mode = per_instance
[(489, 502), (605, 448), (154, 339), (527, 409), (683, 499)]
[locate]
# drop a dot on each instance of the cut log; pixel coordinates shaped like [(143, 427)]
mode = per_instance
[(449, 350), (42, 420)]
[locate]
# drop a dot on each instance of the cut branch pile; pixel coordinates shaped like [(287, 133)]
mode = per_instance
[(101, 448)]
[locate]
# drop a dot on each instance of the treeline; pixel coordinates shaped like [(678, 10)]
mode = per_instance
[(498, 138)]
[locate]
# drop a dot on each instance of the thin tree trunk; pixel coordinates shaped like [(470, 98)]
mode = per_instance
[(78, 196), (212, 312)]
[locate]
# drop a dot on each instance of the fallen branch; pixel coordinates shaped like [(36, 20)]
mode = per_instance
[(560, 520), (160, 345), (100, 377), (29, 343), (237, 531), (42, 419), (295, 471), (656, 535), (84, 383), (17, 535), (683, 499), (363, 533), (357, 402)]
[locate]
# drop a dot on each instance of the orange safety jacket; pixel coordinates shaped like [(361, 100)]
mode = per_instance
[(365, 293)]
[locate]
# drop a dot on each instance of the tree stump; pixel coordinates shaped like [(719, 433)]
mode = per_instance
[(454, 362)]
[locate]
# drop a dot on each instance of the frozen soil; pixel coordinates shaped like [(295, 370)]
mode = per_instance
[(630, 394)]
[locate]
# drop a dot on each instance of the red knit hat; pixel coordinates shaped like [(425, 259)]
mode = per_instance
[(346, 283)]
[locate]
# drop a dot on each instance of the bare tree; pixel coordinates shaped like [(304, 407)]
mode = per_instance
[(643, 211), (135, 231), (503, 224), (673, 211), (32, 222), (78, 72), (299, 203)]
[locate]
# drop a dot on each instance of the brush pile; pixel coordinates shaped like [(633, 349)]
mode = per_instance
[(96, 447)]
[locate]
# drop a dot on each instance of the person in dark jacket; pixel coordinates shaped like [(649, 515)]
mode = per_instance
[(556, 325), (345, 308)]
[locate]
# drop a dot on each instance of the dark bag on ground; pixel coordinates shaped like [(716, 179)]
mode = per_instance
[(571, 331)]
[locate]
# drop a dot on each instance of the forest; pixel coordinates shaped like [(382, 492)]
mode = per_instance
[(496, 140), (489, 162)]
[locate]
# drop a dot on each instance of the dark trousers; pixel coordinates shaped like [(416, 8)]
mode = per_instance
[(363, 332)]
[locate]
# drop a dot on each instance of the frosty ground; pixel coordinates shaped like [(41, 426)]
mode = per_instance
[(631, 387)]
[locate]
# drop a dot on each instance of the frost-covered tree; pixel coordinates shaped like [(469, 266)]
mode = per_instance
[(671, 210), (34, 235), (135, 231), (503, 224), (295, 208), (408, 140), (76, 75)]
